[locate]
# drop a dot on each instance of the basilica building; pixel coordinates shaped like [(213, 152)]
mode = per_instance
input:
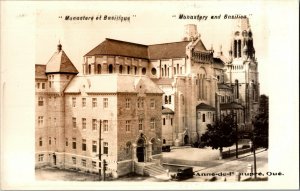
[(132, 98)]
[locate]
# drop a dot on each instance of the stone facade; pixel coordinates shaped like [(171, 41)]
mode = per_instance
[(144, 96)]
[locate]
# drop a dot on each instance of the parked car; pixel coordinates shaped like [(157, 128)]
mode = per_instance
[(184, 173), (166, 148)]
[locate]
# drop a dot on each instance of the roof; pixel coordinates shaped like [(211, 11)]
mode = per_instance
[(167, 111), (168, 50), (40, 70), (120, 48), (224, 86), (203, 106), (232, 105), (112, 83), (60, 63), (163, 81), (218, 61), (156, 51)]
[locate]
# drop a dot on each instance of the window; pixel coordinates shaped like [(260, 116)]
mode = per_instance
[(83, 144), (83, 162), (164, 121), (105, 102), (166, 99), (152, 123), (182, 99), (128, 147), (152, 104), (203, 117), (41, 141), (144, 71), (49, 84), (38, 85), (171, 121), (127, 125), (105, 148), (94, 164), (67, 142), (73, 143), (94, 124), (49, 140), (105, 125), (74, 101), (140, 124), (94, 146), (127, 103), (170, 99), (74, 122), (94, 102), (41, 101), (41, 157), (40, 120), (83, 123), (83, 102), (43, 85), (74, 160)]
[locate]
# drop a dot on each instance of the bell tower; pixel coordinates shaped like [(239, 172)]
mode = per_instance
[(242, 69)]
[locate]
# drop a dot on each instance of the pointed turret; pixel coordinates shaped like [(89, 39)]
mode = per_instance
[(60, 63)]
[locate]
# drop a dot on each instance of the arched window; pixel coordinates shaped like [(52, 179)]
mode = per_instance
[(153, 146), (128, 147), (174, 71), (110, 69), (239, 48), (235, 49), (99, 68), (164, 121), (162, 72), (90, 69), (165, 74), (121, 69), (203, 117), (128, 69), (135, 70), (144, 71)]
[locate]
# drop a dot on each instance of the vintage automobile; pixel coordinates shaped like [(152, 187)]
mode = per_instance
[(166, 148), (184, 173)]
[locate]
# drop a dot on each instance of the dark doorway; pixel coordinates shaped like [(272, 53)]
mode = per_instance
[(54, 159), (140, 154), (186, 139), (140, 150), (110, 69)]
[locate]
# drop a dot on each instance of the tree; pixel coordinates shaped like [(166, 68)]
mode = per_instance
[(222, 134), (261, 124)]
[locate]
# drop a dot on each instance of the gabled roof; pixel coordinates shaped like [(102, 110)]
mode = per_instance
[(60, 63), (112, 83), (168, 50), (218, 61), (205, 107), (120, 48), (40, 70), (232, 105)]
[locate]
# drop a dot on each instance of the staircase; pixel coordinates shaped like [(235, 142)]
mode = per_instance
[(154, 170)]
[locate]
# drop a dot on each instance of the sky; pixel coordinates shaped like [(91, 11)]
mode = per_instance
[(150, 23)]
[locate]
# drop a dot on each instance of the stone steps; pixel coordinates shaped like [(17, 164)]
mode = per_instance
[(154, 170)]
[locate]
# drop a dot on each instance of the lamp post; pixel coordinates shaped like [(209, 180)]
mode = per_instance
[(254, 156), (234, 115), (100, 163)]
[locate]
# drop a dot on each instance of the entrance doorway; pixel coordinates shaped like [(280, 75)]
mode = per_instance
[(140, 150), (186, 139), (54, 159)]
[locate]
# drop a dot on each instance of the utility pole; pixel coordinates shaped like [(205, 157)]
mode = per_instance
[(100, 162), (254, 156), (236, 138)]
